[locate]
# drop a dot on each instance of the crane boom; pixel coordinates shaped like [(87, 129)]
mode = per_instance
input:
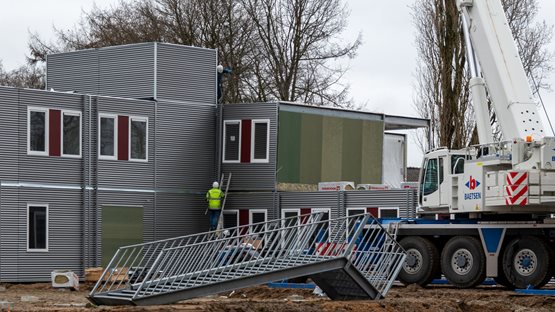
[(502, 68)]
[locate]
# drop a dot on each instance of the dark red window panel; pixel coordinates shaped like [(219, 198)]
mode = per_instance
[(123, 137), (373, 211), (305, 211), (246, 128), (243, 221), (55, 132)]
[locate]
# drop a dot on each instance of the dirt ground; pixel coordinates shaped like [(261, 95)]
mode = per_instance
[(41, 297)]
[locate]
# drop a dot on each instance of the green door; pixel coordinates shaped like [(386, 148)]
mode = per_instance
[(121, 226)]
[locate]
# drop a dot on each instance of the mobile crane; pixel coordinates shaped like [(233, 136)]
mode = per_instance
[(498, 196)]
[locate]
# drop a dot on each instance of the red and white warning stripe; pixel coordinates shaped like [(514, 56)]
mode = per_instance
[(517, 177), (516, 190), (516, 195)]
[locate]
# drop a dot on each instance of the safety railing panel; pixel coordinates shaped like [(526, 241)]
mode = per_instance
[(207, 258)]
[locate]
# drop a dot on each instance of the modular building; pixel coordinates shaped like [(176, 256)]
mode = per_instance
[(124, 144)]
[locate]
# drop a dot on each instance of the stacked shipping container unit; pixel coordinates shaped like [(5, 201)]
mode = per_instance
[(125, 143)]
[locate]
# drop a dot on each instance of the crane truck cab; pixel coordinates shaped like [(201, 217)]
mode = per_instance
[(441, 169), (504, 178)]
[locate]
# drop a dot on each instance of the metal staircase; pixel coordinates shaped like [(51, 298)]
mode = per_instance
[(349, 258)]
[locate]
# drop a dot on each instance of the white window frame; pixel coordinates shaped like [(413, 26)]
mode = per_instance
[(232, 121), (347, 215), (140, 119), (232, 211), (355, 208), (253, 211), (328, 210), (46, 130), (267, 159), (387, 208), (296, 210), (292, 242), (71, 113), (29, 205), (115, 117)]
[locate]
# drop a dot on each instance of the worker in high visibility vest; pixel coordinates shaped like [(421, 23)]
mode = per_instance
[(214, 198)]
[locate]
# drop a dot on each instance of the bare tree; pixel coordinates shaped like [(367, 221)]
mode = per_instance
[(442, 91), (27, 76), (277, 49), (442, 79), (299, 40)]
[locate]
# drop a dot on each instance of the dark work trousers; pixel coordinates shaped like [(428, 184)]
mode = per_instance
[(214, 215)]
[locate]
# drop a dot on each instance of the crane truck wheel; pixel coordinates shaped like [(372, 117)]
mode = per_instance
[(501, 279), (463, 261), (422, 262), (528, 261)]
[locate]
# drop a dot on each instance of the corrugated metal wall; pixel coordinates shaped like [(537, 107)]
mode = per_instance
[(182, 136), (122, 71), (170, 186), (337, 202), (186, 73), (185, 141), (127, 71), (73, 71), (125, 198), (128, 174), (254, 176), (9, 125), (64, 234), (404, 199), (312, 200), (254, 200), (9, 233), (141, 71), (180, 214), (41, 168)]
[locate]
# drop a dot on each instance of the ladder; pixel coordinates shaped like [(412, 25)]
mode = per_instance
[(221, 219), (393, 229)]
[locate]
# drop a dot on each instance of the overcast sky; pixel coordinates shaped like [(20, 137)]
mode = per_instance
[(382, 75)]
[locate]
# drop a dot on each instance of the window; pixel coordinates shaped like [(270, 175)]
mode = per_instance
[(355, 211), (259, 141), (257, 216), (289, 237), (430, 179), (232, 141), (37, 131), (138, 138), (37, 227), (457, 163), (107, 142), (352, 222), (388, 212), (54, 132), (231, 219), (290, 214), (322, 229), (441, 160), (71, 133)]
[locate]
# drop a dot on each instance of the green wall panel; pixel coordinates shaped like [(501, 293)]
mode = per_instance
[(289, 144), (314, 148), (311, 149), (372, 152), (332, 154), (352, 150), (121, 226)]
